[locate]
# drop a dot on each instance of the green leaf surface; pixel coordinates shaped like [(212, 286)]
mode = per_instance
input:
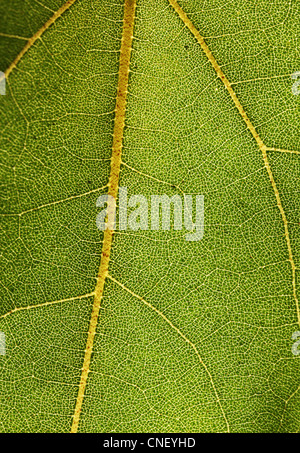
[(191, 336)]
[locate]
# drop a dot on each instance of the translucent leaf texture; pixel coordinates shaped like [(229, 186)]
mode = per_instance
[(191, 336)]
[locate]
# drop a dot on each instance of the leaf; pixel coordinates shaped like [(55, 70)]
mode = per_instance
[(143, 331)]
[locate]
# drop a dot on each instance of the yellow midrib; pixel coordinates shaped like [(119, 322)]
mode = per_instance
[(129, 14), (113, 185)]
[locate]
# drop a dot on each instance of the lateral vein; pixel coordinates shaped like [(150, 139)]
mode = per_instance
[(189, 24), (181, 334), (46, 304), (279, 150), (113, 184), (37, 35)]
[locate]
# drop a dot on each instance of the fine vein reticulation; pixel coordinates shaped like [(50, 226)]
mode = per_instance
[(37, 35), (254, 133), (113, 184), (125, 53), (129, 15), (185, 338)]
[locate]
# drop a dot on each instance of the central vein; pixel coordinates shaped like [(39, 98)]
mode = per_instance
[(113, 185)]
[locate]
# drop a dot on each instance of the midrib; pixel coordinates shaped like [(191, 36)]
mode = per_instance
[(125, 53), (113, 184)]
